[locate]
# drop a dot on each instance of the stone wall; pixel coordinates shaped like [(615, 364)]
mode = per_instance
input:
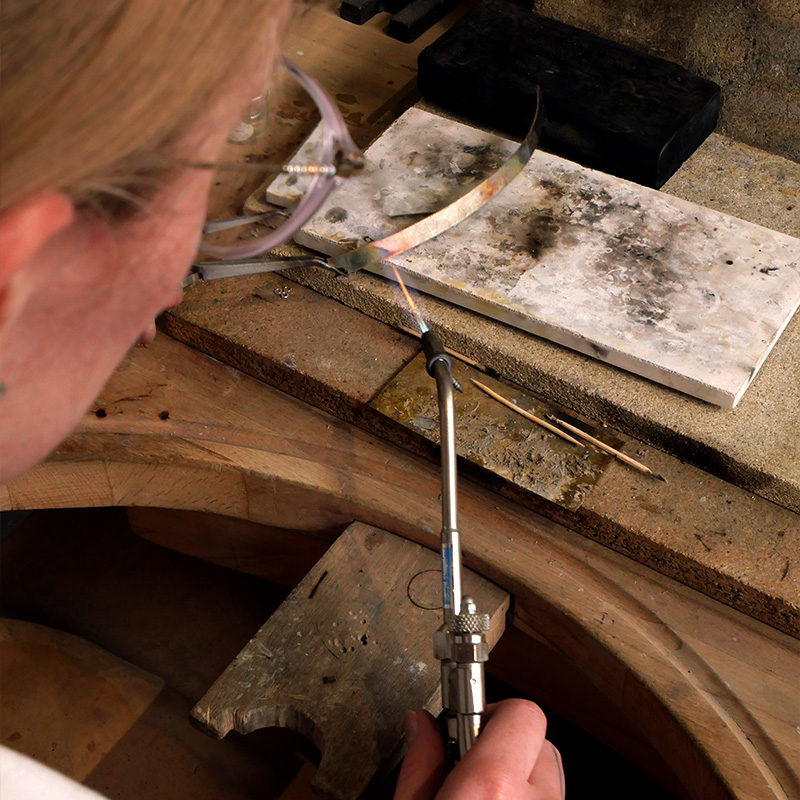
[(750, 47)]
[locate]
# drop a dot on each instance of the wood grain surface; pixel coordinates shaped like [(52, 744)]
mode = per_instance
[(114, 727), (346, 656), (715, 690), (701, 530)]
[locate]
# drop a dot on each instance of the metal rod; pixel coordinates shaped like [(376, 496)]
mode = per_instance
[(527, 414), (213, 270), (460, 644), (214, 225), (448, 350), (451, 540), (632, 462)]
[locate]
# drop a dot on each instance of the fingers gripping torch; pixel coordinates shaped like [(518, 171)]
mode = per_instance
[(460, 644)]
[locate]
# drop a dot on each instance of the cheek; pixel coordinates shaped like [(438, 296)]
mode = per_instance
[(158, 252), (167, 262)]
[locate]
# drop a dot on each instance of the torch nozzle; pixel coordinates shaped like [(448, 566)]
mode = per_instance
[(434, 351)]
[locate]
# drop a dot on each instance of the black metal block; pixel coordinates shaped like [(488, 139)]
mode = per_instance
[(608, 106)]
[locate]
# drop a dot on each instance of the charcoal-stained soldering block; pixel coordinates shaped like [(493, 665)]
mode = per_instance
[(607, 106)]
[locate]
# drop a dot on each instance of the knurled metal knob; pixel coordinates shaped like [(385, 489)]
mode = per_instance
[(469, 620), (470, 623)]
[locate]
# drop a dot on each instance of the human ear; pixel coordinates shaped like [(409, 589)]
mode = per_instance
[(24, 229)]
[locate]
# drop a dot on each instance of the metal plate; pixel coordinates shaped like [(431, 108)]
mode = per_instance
[(452, 214), (495, 438)]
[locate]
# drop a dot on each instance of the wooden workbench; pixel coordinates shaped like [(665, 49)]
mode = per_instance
[(726, 523), (686, 630)]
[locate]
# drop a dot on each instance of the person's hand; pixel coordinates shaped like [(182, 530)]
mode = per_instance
[(510, 761)]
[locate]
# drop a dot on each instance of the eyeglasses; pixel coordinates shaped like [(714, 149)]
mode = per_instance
[(339, 159), (344, 159)]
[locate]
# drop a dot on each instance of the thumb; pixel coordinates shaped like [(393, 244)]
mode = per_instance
[(423, 768)]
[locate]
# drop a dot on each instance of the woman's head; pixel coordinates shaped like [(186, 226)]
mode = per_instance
[(97, 99), (96, 92)]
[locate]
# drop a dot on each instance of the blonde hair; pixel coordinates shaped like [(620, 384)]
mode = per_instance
[(91, 91)]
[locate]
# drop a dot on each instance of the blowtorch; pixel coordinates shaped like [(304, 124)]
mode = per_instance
[(460, 644)]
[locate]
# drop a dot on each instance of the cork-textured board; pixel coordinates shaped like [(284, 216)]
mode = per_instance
[(672, 291)]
